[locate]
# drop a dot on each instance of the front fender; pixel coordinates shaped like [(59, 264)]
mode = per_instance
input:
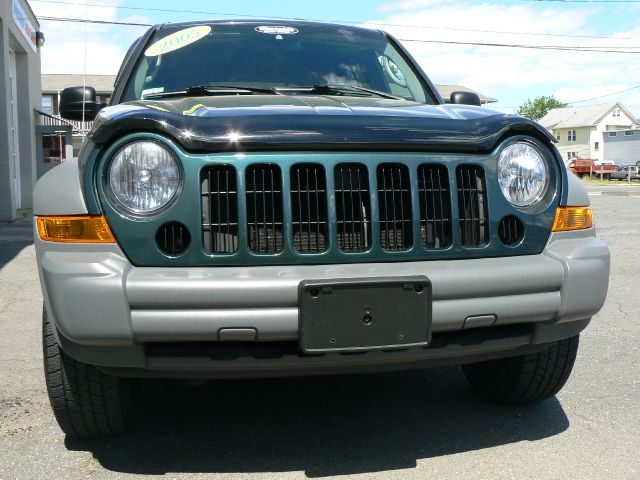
[(59, 192), (577, 195)]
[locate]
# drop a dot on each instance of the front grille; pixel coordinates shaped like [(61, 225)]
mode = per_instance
[(472, 206), (394, 203), (339, 214), (264, 208), (309, 208), (435, 206), (219, 198), (353, 207)]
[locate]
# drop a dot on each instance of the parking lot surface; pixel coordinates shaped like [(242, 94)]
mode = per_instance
[(424, 424)]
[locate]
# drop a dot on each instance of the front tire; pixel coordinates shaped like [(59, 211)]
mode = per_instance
[(524, 379), (85, 401)]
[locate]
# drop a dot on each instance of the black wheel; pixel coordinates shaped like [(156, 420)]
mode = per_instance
[(524, 379), (85, 401)]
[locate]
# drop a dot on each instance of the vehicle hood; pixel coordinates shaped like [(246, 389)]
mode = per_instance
[(312, 122)]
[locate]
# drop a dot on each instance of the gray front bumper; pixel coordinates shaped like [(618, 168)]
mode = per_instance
[(98, 299)]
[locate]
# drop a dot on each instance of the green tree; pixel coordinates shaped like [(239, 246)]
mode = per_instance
[(538, 107)]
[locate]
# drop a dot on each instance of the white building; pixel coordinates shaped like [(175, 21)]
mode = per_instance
[(19, 98), (580, 130)]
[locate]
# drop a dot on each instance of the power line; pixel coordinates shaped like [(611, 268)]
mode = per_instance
[(202, 12), (582, 101), (591, 49), (607, 95), (534, 47), (82, 20)]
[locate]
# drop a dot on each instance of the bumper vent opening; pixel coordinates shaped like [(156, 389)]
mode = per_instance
[(353, 207), (309, 208), (219, 195), (511, 230), (394, 200), (472, 205), (264, 208), (173, 238), (435, 206)]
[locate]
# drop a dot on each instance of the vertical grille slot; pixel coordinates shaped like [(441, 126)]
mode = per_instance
[(219, 200), (264, 208), (173, 238), (309, 208), (472, 205), (435, 206), (511, 230), (394, 199), (353, 207)]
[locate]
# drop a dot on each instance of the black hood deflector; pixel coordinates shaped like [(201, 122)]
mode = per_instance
[(286, 122)]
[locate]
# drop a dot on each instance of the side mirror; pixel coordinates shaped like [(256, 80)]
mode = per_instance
[(465, 98), (76, 101)]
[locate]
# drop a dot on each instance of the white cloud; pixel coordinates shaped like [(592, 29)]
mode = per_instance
[(515, 74), (106, 45), (407, 5)]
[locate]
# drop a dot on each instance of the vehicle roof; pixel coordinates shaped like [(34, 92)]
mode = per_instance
[(265, 21)]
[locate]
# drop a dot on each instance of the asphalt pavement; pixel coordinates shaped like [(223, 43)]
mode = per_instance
[(424, 424)]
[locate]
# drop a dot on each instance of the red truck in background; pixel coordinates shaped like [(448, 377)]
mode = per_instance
[(588, 167)]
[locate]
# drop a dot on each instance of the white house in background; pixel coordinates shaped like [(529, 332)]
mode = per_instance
[(580, 130)]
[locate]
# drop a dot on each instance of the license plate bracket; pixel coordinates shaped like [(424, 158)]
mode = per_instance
[(349, 315)]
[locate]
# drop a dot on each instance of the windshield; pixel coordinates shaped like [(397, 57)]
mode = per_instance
[(177, 58)]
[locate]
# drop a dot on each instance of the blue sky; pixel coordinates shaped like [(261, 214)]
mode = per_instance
[(509, 74)]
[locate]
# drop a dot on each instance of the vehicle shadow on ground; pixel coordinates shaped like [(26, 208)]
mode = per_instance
[(323, 426), (10, 250), (14, 237)]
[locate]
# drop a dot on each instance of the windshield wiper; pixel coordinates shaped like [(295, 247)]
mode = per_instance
[(210, 90), (339, 89)]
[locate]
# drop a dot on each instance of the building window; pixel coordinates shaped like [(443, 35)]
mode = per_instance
[(571, 135), (596, 146), (571, 155), (47, 104), (628, 133), (616, 112), (612, 134)]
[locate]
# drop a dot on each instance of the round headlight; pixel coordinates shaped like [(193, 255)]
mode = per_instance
[(523, 174), (143, 177)]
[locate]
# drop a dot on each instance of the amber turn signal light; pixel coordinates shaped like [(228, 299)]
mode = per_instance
[(75, 229), (572, 218)]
